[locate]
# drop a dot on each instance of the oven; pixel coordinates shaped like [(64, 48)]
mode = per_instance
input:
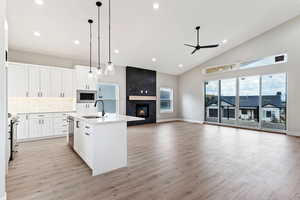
[(86, 96)]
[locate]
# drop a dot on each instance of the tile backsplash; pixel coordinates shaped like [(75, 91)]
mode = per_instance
[(32, 105)]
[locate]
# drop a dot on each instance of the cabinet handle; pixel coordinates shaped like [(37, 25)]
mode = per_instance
[(77, 124), (87, 127), (87, 134), (27, 94)]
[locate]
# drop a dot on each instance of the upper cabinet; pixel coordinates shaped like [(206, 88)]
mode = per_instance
[(39, 81), (83, 80), (18, 80), (62, 82)]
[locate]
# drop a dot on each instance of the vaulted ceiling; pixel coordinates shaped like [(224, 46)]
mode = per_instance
[(141, 33)]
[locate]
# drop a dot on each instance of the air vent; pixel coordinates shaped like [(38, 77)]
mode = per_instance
[(280, 58)]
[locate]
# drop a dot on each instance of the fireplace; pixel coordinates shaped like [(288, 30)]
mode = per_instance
[(141, 95), (142, 110)]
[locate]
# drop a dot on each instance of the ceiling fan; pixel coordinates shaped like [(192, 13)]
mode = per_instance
[(198, 47)]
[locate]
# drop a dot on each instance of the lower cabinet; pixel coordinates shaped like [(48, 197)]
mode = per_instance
[(32, 126), (23, 127), (83, 142)]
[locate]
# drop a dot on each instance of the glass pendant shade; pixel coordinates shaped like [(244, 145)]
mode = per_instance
[(99, 71), (90, 74)]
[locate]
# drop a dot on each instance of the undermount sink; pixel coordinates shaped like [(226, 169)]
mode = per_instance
[(92, 117)]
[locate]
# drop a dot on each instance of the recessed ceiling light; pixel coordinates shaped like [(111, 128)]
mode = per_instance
[(39, 2), (116, 51), (37, 34), (153, 59), (224, 41), (180, 65), (155, 6), (77, 42)]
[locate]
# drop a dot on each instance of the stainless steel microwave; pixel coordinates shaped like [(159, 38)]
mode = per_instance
[(86, 96)]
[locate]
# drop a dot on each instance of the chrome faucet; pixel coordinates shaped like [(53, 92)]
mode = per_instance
[(100, 100)]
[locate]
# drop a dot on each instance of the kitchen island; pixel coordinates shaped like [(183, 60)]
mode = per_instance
[(100, 141)]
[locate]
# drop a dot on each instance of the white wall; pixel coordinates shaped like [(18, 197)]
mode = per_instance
[(282, 39), (3, 112), (167, 81), (163, 80)]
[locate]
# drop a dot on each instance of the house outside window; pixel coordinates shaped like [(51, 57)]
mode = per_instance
[(166, 100)]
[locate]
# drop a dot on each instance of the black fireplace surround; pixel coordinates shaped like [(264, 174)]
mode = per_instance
[(140, 82)]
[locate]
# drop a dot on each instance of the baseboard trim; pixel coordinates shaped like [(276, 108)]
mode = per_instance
[(3, 197), (41, 138), (168, 120), (293, 133), (193, 121)]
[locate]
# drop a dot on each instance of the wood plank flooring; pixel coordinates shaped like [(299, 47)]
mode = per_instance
[(169, 161)]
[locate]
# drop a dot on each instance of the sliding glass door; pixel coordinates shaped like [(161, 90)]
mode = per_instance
[(249, 98), (228, 101), (252, 101), (212, 101), (273, 96)]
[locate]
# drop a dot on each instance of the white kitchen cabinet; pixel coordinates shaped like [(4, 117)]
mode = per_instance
[(60, 126), (45, 82), (62, 83), (17, 80), (23, 127), (40, 81), (42, 125), (35, 128), (34, 81), (84, 82), (68, 83), (56, 80), (47, 127), (86, 108), (86, 145)]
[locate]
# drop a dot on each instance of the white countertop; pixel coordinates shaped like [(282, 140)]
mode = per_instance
[(108, 118)]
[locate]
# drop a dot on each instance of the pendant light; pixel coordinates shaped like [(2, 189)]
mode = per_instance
[(90, 72), (99, 69), (110, 66)]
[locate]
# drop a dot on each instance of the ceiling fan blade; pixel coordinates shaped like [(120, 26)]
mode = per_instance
[(194, 51), (190, 45), (209, 46)]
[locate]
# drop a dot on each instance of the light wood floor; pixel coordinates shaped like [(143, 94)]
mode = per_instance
[(171, 161)]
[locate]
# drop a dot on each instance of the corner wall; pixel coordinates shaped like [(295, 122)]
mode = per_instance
[(3, 99), (282, 39)]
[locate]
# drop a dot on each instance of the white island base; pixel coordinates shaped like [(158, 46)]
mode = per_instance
[(102, 143)]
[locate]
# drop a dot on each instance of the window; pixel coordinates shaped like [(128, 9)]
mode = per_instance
[(271, 60), (212, 101), (261, 62), (273, 96), (109, 93), (249, 101), (166, 100), (259, 102), (228, 100)]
